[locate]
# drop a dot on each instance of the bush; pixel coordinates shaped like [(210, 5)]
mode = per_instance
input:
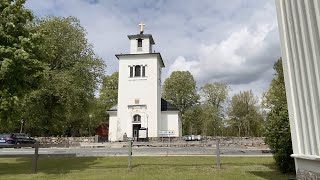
[(278, 138)]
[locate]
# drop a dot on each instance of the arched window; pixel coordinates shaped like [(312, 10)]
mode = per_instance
[(137, 71), (137, 118)]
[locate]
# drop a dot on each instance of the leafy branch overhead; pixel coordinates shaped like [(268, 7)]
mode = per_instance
[(20, 63), (48, 72)]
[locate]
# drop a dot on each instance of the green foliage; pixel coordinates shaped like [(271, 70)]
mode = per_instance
[(244, 114), (194, 120), (277, 133), (108, 96), (214, 96), (20, 66), (109, 90), (180, 89), (215, 93), (203, 119), (63, 103)]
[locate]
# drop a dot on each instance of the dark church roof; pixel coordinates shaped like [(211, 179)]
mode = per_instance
[(143, 54), (142, 36), (165, 106)]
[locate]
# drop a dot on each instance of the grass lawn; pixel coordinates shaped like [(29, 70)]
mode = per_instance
[(74, 168)]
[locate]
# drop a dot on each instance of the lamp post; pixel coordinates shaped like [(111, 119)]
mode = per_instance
[(147, 127), (90, 116), (22, 124)]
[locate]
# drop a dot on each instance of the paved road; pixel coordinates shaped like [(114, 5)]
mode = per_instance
[(138, 151)]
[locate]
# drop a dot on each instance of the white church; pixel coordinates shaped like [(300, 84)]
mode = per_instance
[(141, 113)]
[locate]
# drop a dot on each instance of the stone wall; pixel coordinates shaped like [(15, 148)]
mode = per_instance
[(72, 141), (307, 175), (224, 141)]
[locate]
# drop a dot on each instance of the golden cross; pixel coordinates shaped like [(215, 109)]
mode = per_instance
[(141, 27)]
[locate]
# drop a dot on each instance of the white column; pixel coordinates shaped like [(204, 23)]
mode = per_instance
[(299, 26)]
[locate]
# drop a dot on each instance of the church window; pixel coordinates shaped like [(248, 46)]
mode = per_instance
[(143, 71), (131, 71), (136, 101), (139, 42), (137, 118), (137, 71)]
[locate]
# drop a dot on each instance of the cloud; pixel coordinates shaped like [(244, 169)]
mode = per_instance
[(214, 39), (244, 59)]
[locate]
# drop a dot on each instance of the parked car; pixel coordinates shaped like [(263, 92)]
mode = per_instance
[(7, 139), (23, 138), (193, 138)]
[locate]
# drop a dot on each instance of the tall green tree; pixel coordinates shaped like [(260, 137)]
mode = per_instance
[(215, 93), (245, 115), (203, 119), (277, 133), (108, 96), (109, 90), (20, 66), (62, 105), (214, 96), (194, 120), (180, 89)]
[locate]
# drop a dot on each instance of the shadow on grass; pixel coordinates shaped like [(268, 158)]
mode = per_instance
[(51, 165), (272, 174), (173, 165)]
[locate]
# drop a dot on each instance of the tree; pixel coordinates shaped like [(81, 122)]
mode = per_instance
[(20, 66), (62, 106), (180, 89), (108, 96), (194, 120), (214, 96), (215, 93), (109, 90), (244, 114), (277, 133)]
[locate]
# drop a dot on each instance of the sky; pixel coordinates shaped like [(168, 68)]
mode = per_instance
[(235, 42)]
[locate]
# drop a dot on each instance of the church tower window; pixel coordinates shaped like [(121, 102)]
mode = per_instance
[(139, 42), (137, 71), (139, 45), (137, 118), (143, 71), (131, 71)]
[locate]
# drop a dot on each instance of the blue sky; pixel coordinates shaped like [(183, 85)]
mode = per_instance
[(216, 40)]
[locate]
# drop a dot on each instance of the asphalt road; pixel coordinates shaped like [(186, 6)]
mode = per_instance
[(137, 151)]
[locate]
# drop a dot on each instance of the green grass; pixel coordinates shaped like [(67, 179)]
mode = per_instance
[(74, 168)]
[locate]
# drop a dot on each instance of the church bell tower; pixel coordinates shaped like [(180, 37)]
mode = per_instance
[(139, 93)]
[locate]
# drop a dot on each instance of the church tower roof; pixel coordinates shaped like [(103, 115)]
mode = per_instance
[(141, 46), (142, 36)]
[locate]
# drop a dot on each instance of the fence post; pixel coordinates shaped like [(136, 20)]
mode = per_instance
[(35, 158), (130, 155), (218, 154)]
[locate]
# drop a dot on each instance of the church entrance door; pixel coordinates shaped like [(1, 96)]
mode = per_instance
[(135, 131)]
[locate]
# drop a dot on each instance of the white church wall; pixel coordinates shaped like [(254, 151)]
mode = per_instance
[(133, 46), (146, 46), (112, 136), (158, 95), (143, 88), (170, 121), (299, 25)]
